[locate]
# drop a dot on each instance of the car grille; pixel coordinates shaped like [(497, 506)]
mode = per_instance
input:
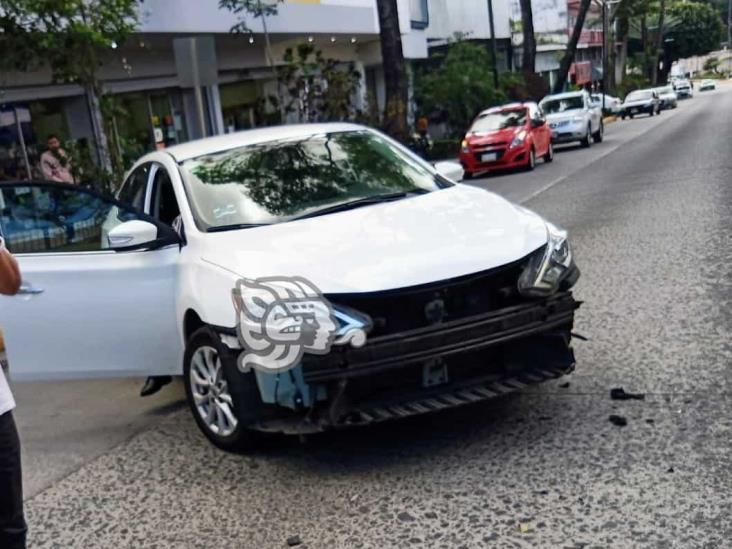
[(559, 124), (418, 306)]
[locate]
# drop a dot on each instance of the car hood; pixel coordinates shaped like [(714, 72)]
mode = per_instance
[(440, 235), (566, 115), (638, 103), (480, 138)]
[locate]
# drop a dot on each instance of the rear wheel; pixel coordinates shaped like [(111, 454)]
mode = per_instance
[(223, 400), (549, 156)]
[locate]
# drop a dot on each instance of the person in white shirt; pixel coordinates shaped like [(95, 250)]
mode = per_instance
[(12, 522)]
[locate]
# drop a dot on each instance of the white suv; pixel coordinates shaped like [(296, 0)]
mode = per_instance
[(224, 252), (573, 116)]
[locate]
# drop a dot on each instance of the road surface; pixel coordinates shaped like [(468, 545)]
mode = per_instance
[(650, 213)]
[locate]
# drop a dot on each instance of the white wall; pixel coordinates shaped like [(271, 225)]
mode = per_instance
[(294, 16), (468, 17)]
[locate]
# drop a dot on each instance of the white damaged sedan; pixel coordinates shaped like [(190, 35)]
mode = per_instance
[(299, 278)]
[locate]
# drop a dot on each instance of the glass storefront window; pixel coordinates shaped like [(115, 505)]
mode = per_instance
[(240, 105)]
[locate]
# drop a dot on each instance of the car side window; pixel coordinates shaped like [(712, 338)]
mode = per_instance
[(134, 187), (40, 218), (164, 205)]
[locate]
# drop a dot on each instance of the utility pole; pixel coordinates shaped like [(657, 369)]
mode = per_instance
[(494, 57), (729, 25), (604, 54)]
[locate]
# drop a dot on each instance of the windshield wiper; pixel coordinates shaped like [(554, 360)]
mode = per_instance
[(366, 201), (233, 227)]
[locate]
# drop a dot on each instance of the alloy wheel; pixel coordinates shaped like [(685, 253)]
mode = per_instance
[(210, 392)]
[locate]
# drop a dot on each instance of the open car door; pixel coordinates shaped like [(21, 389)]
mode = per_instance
[(99, 286)]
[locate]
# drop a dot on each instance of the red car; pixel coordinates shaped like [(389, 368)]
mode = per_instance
[(510, 136)]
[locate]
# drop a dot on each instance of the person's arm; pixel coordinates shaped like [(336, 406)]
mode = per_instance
[(9, 272), (47, 168)]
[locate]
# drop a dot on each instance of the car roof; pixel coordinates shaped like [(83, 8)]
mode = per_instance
[(508, 107), (565, 95), (219, 143)]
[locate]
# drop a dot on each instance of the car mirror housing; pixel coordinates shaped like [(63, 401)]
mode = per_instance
[(451, 170), (132, 234), (537, 122)]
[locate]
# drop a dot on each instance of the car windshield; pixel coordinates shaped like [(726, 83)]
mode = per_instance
[(666, 90), (277, 181), (552, 106), (499, 120), (640, 95)]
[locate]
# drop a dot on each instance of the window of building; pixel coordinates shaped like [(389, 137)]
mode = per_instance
[(420, 14)]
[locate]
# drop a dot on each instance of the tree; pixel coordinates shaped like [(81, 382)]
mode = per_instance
[(72, 38), (528, 57), (568, 56), (698, 29), (255, 9), (457, 84), (395, 71), (319, 89), (711, 64)]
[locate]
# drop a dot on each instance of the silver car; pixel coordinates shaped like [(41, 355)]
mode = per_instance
[(667, 97), (573, 117)]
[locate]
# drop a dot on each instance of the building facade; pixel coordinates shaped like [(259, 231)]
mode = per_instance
[(184, 75)]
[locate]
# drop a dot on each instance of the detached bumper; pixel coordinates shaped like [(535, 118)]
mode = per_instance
[(440, 366)]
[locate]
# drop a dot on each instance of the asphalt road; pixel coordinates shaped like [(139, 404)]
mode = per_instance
[(649, 211)]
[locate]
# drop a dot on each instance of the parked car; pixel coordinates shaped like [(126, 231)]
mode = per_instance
[(573, 117), (452, 293), (667, 97), (707, 85), (641, 102), (510, 136), (612, 104), (683, 88)]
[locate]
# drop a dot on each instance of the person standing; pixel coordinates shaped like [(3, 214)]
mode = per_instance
[(55, 163), (12, 522)]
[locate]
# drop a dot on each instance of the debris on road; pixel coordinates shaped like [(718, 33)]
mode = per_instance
[(564, 385), (293, 541), (620, 421), (618, 393)]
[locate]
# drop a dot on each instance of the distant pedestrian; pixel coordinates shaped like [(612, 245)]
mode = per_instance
[(55, 163), (12, 522)]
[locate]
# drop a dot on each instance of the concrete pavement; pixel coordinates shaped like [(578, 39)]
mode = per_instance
[(649, 211)]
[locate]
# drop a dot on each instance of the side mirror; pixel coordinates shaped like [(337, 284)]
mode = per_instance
[(537, 122), (450, 170), (132, 233)]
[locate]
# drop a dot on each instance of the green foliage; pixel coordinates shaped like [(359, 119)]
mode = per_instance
[(632, 82), (69, 36), (711, 64), (458, 83), (698, 30), (246, 9), (318, 89)]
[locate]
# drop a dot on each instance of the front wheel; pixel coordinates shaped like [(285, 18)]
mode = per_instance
[(468, 175), (549, 156), (531, 163), (224, 401), (598, 135), (586, 142)]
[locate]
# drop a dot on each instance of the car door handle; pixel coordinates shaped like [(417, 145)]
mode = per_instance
[(29, 289)]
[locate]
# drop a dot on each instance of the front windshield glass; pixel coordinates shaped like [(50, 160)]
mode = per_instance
[(553, 106), (499, 120), (276, 181), (641, 95), (666, 90)]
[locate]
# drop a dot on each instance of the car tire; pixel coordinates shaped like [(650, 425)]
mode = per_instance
[(549, 156), (599, 134), (237, 400), (631, 117), (468, 175), (531, 162), (587, 141)]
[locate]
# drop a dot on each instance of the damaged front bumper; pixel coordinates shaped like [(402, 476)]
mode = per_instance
[(430, 368)]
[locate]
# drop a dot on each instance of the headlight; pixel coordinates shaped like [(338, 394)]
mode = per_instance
[(519, 139), (464, 145), (548, 266)]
